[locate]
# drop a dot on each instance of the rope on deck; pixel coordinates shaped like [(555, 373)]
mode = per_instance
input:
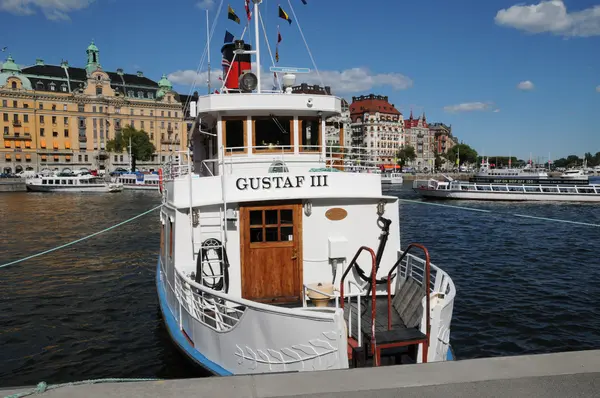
[(80, 239), (42, 387)]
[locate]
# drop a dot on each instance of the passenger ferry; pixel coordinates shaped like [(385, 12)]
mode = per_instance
[(71, 183), (271, 259), (139, 181), (556, 190)]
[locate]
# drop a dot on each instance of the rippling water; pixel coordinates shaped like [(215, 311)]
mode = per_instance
[(90, 310)]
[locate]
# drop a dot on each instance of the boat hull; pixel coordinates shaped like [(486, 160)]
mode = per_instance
[(73, 189), (392, 180), (507, 196)]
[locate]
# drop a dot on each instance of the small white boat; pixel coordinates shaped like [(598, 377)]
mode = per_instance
[(574, 174), (392, 178), (452, 189), (71, 183), (139, 181)]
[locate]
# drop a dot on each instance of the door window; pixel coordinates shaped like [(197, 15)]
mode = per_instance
[(271, 225)]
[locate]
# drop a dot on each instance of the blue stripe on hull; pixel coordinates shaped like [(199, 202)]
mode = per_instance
[(177, 335), (450, 354)]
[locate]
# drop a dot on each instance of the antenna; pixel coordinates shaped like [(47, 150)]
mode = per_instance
[(208, 51), (257, 40)]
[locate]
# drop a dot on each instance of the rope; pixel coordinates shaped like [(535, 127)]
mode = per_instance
[(305, 43), (586, 224), (42, 387), (80, 239)]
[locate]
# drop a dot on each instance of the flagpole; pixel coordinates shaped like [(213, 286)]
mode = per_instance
[(208, 50), (257, 39)]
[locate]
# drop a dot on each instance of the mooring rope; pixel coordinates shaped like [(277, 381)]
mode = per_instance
[(501, 213), (80, 239), (42, 387)]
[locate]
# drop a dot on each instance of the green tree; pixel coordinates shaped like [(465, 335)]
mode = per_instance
[(406, 154), (439, 159), (141, 147), (465, 154)]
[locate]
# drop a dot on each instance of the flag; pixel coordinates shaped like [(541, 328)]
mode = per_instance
[(231, 15), (225, 63), (283, 15), (228, 37), (216, 92), (277, 46), (248, 13), (304, 2)]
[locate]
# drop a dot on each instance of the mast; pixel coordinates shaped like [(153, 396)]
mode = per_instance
[(208, 51), (130, 162), (257, 40)]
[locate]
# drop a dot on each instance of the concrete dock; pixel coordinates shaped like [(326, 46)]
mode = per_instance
[(572, 374), (12, 185)]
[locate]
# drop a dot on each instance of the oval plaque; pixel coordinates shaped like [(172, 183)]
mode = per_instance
[(336, 214)]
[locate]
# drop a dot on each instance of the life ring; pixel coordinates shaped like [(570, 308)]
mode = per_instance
[(160, 180)]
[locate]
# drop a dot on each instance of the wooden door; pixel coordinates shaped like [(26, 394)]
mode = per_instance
[(271, 249)]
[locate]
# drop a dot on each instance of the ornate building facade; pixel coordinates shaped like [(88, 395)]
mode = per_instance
[(59, 116), (418, 136), (377, 126)]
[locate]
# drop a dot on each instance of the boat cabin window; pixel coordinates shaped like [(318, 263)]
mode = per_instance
[(234, 135), (44, 182), (56, 182), (273, 133), (63, 182), (70, 182), (310, 134)]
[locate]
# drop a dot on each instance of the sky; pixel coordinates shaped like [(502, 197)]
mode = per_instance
[(511, 77)]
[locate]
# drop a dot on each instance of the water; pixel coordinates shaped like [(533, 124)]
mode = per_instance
[(90, 311)]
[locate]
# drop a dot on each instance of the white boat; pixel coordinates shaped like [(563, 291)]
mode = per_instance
[(71, 183), (574, 174), (528, 172), (392, 178), (264, 227), (138, 181), (541, 191)]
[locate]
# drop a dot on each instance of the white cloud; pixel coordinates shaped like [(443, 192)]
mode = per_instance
[(54, 10), (205, 4), (468, 107), (551, 16), (346, 81), (525, 85), (598, 89), (496, 110)]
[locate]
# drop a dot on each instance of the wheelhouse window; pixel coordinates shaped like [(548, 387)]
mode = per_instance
[(234, 135), (310, 134), (273, 133)]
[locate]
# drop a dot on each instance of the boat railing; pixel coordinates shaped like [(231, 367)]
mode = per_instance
[(221, 312), (441, 293)]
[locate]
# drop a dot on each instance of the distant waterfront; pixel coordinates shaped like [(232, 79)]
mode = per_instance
[(90, 311)]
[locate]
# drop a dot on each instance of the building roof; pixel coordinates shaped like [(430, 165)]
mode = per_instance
[(372, 103), (411, 122)]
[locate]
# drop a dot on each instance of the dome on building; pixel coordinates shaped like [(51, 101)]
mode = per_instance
[(165, 83), (92, 47), (10, 66)]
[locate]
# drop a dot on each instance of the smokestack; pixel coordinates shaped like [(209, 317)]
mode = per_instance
[(242, 63)]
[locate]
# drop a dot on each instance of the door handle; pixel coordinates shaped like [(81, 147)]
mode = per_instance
[(294, 254)]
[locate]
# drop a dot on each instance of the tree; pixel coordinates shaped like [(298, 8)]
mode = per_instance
[(141, 147), (465, 154), (406, 154), (439, 160)]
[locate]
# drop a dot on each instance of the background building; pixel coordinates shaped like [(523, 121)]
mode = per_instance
[(418, 136), (337, 128), (59, 116), (378, 126)]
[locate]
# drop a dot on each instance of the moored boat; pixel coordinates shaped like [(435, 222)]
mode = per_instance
[(271, 259), (71, 183), (538, 191), (138, 181)]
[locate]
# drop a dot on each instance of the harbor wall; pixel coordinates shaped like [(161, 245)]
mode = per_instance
[(546, 375), (12, 185)]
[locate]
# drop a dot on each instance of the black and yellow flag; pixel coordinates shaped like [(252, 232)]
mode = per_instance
[(231, 15), (284, 15)]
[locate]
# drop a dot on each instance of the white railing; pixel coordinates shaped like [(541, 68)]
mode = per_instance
[(442, 294)]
